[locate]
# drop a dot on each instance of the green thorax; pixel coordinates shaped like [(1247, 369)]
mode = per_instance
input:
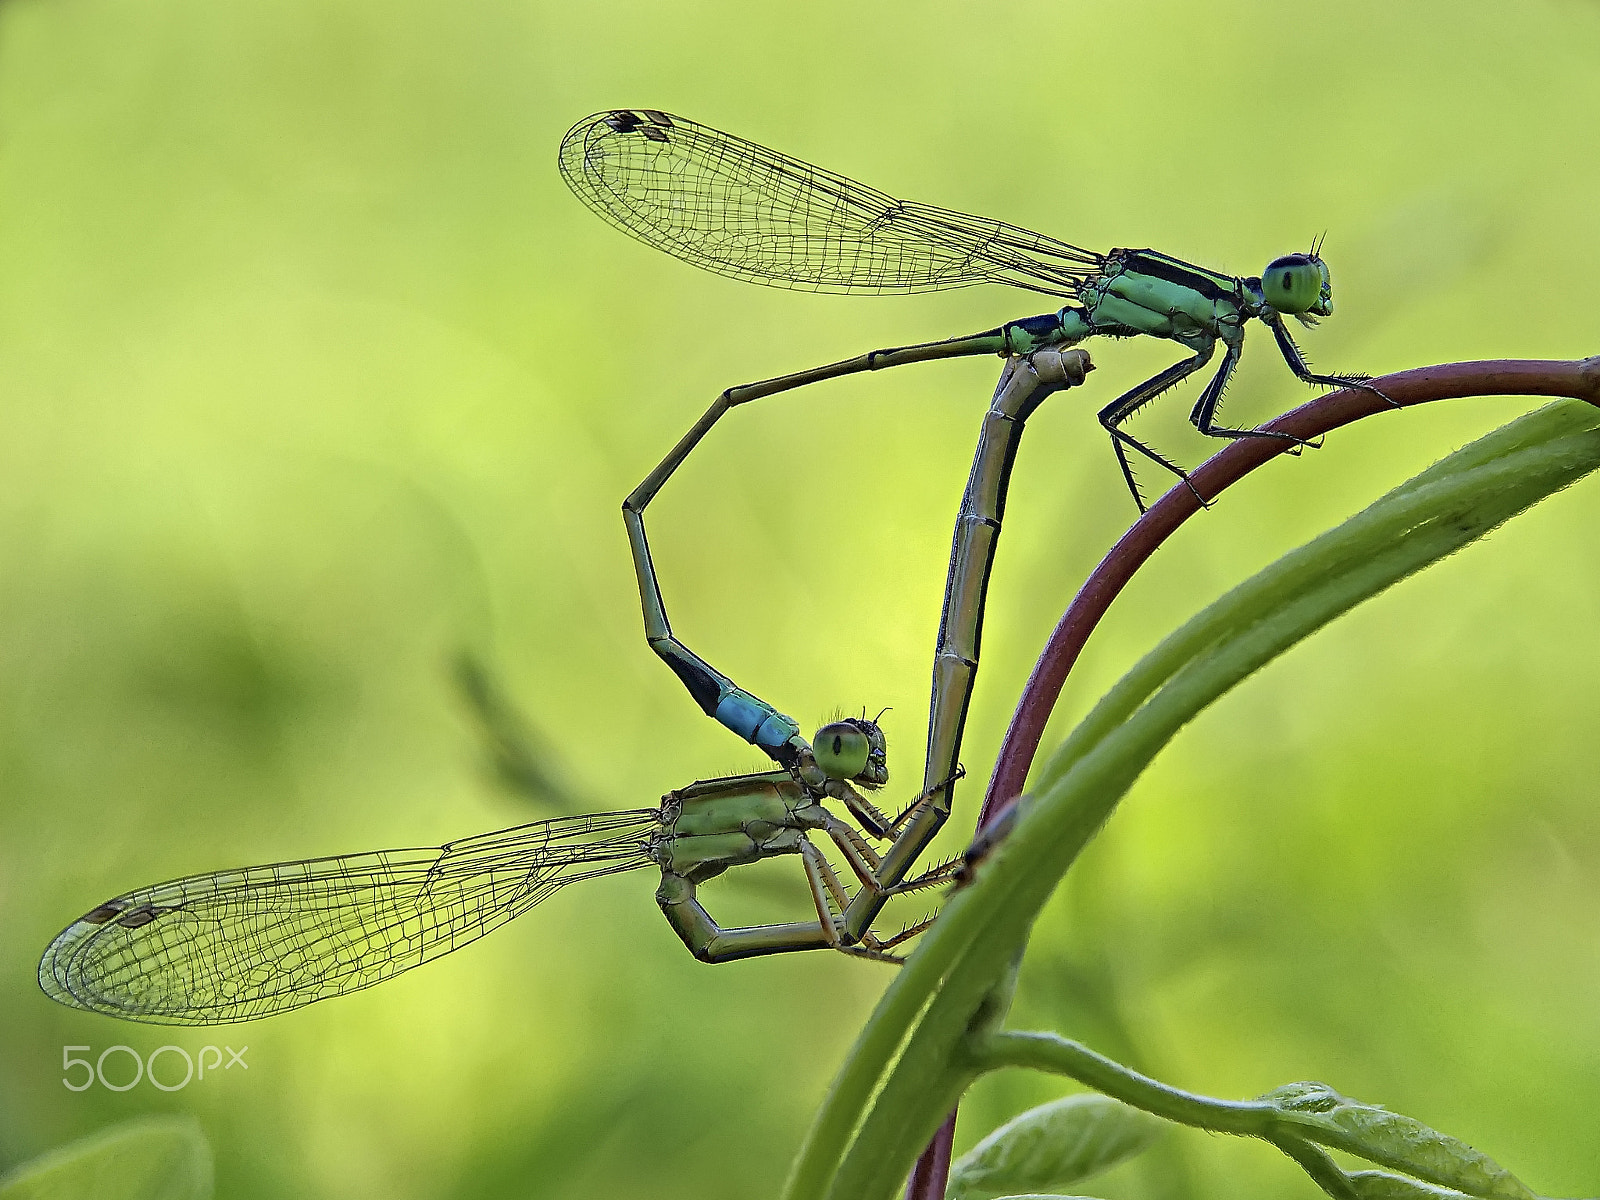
[(715, 824), (1145, 291)]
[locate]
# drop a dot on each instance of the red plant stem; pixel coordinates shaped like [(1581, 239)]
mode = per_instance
[(1579, 380), (932, 1172)]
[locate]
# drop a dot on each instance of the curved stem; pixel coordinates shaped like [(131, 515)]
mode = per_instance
[(1578, 380), (1575, 379), (1061, 1056)]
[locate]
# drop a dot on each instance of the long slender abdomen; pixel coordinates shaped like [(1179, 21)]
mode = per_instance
[(972, 551)]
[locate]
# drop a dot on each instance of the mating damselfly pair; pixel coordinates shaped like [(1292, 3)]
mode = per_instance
[(234, 945)]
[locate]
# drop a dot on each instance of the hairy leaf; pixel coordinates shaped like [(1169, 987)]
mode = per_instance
[(1396, 1141), (1052, 1146)]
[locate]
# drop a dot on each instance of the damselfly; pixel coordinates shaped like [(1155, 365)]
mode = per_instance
[(235, 945), (739, 209)]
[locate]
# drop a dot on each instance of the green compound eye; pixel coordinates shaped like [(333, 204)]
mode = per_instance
[(841, 750), (1293, 283)]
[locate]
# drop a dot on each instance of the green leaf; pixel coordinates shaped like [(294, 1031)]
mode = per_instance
[(151, 1158), (1393, 1140), (1051, 1146)]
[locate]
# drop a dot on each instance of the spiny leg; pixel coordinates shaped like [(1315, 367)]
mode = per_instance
[(863, 859), (1205, 410), (875, 823), (1130, 402), (944, 872), (825, 885), (866, 863), (864, 951), (1302, 369), (882, 944), (879, 944), (927, 797), (868, 869)]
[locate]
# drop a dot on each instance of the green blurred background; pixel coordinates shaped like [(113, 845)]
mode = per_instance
[(314, 375)]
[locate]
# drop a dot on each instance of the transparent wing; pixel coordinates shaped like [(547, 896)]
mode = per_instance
[(736, 208), (247, 943)]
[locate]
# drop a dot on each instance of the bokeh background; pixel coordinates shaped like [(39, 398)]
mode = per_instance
[(315, 377)]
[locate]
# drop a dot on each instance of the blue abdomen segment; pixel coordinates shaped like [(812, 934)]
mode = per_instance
[(755, 721)]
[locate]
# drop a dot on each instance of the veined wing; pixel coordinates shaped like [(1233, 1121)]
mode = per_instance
[(236, 945), (736, 208)]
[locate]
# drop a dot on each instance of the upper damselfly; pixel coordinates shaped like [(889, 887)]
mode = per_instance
[(739, 209)]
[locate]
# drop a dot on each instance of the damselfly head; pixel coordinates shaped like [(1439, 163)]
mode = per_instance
[(1298, 285), (853, 749)]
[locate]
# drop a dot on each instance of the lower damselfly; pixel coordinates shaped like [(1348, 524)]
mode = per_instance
[(239, 944)]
